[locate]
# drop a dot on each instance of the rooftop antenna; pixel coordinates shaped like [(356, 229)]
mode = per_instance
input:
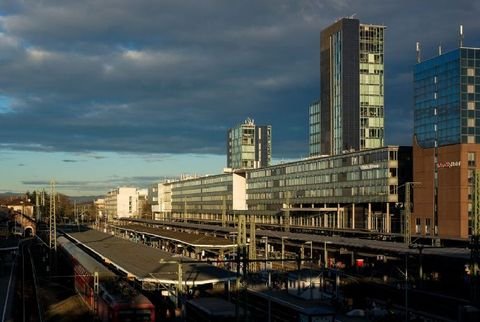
[(418, 52), (439, 50), (461, 36)]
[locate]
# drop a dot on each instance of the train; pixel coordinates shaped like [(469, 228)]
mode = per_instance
[(115, 300)]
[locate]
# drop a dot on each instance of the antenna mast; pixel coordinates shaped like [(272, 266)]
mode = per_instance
[(419, 58), (461, 36)]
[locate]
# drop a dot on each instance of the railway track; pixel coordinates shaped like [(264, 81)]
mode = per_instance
[(26, 294)]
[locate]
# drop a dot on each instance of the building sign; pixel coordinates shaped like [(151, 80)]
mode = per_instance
[(448, 164), (369, 166)]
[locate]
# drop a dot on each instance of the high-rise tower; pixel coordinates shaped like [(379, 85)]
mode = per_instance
[(446, 142), (351, 86)]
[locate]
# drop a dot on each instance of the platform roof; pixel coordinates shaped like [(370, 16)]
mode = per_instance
[(148, 264), (196, 240)]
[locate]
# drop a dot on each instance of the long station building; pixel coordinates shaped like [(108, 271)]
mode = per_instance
[(361, 190)]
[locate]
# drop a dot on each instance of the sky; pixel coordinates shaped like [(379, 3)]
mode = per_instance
[(100, 94)]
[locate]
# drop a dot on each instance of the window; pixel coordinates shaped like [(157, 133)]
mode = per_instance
[(428, 223), (418, 225), (470, 175), (471, 159)]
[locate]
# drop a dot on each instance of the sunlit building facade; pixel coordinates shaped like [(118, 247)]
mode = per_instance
[(249, 146), (121, 203), (446, 142), (351, 86), (208, 197), (356, 190), (314, 126)]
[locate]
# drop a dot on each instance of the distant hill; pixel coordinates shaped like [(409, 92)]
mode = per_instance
[(10, 195), (84, 199), (80, 199)]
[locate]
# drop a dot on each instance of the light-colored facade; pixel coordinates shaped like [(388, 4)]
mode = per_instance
[(209, 197), (371, 86), (160, 197), (121, 203), (23, 206), (100, 209), (351, 86), (249, 146)]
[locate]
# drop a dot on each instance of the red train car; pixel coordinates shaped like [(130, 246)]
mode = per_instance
[(115, 300)]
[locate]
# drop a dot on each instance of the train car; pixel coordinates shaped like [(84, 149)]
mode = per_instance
[(116, 299)]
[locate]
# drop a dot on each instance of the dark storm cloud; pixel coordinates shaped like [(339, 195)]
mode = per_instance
[(173, 76)]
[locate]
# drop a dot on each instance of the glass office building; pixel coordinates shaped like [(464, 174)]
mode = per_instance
[(351, 86), (351, 190), (314, 126), (446, 142), (249, 146), (447, 92)]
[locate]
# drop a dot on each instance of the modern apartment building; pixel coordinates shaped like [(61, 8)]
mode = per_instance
[(446, 143), (249, 146), (351, 87)]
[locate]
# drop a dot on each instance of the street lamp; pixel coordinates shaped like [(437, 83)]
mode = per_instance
[(311, 250), (265, 238), (283, 248)]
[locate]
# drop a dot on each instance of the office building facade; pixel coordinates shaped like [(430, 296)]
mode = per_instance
[(208, 198), (446, 142), (351, 87), (355, 190), (314, 126), (249, 146)]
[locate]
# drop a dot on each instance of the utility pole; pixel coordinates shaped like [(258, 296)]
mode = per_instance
[(224, 211), (286, 216), (252, 248), (185, 209), (52, 222), (407, 231), (37, 207), (407, 213)]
